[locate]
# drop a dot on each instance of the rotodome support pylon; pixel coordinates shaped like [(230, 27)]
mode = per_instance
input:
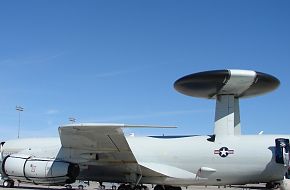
[(227, 87)]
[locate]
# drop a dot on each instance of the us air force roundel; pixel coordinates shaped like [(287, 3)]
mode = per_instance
[(223, 152)]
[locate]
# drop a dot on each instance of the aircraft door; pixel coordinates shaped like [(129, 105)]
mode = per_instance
[(1, 151), (1, 158), (282, 151)]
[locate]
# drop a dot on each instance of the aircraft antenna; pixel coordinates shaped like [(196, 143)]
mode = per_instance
[(226, 87)]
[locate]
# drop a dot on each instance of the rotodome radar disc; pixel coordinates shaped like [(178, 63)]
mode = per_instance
[(240, 83)]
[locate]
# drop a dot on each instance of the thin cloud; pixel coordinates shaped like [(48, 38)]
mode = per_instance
[(52, 112), (48, 58)]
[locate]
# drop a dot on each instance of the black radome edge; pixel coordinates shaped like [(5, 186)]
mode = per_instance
[(208, 84)]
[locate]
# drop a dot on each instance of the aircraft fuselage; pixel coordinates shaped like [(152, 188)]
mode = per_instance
[(196, 159)]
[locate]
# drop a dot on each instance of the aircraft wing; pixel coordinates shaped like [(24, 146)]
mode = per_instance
[(108, 141), (99, 147), (102, 137), (95, 137)]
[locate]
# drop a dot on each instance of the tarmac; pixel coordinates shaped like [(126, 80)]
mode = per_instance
[(95, 186)]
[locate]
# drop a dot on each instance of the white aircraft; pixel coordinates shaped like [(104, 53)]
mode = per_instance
[(101, 152)]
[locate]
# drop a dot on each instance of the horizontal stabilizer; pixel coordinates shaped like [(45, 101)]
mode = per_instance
[(168, 171)]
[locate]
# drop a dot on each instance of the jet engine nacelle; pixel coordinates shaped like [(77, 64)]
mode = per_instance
[(38, 170)]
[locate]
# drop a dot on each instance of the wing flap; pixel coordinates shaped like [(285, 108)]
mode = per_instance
[(169, 171)]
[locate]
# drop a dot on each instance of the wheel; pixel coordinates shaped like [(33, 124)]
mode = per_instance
[(144, 187), (103, 187), (272, 185), (81, 187), (137, 187), (277, 186), (8, 183), (168, 187), (128, 187), (114, 187), (12, 184), (122, 187), (159, 187), (68, 186)]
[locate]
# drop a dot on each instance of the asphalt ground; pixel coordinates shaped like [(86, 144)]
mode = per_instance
[(95, 186)]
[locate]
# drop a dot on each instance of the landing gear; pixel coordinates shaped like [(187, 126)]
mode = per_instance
[(140, 187), (8, 183), (130, 187), (125, 187), (68, 187), (166, 187), (272, 185), (159, 187)]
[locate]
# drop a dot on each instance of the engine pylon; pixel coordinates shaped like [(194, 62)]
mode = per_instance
[(227, 87)]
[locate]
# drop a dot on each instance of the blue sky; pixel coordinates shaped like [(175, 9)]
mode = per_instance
[(116, 61)]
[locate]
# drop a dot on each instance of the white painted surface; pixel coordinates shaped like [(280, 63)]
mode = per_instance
[(224, 115), (240, 81), (285, 184), (251, 158)]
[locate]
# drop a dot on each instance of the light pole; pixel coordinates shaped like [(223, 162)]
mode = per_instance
[(19, 109), (72, 119)]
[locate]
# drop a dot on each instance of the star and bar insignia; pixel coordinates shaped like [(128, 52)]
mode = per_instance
[(223, 152)]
